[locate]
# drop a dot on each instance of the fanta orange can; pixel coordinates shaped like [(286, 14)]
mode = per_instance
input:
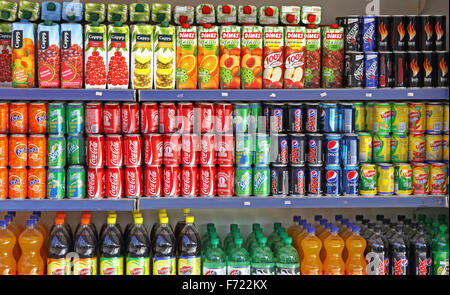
[(17, 183), (4, 143), (18, 117), (37, 150), (37, 182), (4, 117), (37, 118), (18, 145), (417, 117), (3, 183)]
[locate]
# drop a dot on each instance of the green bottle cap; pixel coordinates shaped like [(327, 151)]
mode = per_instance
[(160, 17), (5, 14), (51, 6), (213, 235), (94, 16), (276, 225), (164, 24), (118, 23), (262, 241), (259, 235), (238, 242), (48, 23), (95, 24), (116, 17), (288, 241), (214, 242), (26, 14), (71, 17), (139, 7), (233, 226), (443, 228)]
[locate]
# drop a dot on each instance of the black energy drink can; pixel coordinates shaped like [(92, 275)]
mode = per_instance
[(385, 69), (398, 33), (412, 29), (414, 75), (354, 68), (429, 68), (384, 33), (427, 36), (400, 67), (442, 68), (340, 20), (440, 32), (353, 33)]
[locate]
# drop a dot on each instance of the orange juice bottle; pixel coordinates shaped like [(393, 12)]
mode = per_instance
[(44, 231), (322, 236), (14, 228), (311, 245), (295, 226), (7, 242), (30, 241), (344, 235), (299, 238), (355, 264), (186, 70), (208, 57), (333, 263)]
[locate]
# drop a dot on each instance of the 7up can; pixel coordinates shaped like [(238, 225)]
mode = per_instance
[(75, 118), (56, 183), (360, 116), (261, 181), (76, 150), (56, 151), (400, 117), (403, 179), (56, 118), (76, 182), (244, 181), (368, 179)]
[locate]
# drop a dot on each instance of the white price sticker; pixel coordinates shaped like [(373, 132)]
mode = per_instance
[(99, 93)]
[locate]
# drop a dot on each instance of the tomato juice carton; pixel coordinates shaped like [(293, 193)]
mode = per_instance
[(118, 56), (226, 14), (94, 12), (332, 56), (51, 10), (141, 56), (311, 15), (29, 10), (184, 15), (273, 52), (205, 14), (72, 11), (117, 12), (251, 57), (208, 57), (290, 15), (49, 55), (164, 56), (23, 58), (71, 55), (5, 55), (139, 12), (161, 12), (247, 14), (95, 52), (313, 57), (269, 15), (294, 57), (230, 57), (186, 71), (8, 11)]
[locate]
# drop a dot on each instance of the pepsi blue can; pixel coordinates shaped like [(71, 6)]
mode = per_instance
[(368, 33), (346, 118), (315, 149), (333, 180), (350, 180), (371, 69), (314, 180), (295, 114), (350, 149), (332, 147), (312, 117), (297, 143), (297, 184), (279, 180), (277, 117), (329, 117), (279, 149)]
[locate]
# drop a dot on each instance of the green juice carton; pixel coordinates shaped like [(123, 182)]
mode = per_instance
[(251, 57), (161, 12), (184, 15), (117, 13), (95, 52), (29, 10), (5, 55), (205, 14), (8, 11), (164, 56), (247, 14), (139, 12), (269, 15), (311, 15), (230, 57), (118, 56), (94, 12), (226, 14), (142, 56), (290, 15)]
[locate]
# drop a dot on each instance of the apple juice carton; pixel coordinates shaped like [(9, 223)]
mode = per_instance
[(141, 56), (184, 15), (294, 57), (48, 55), (161, 12), (208, 57), (8, 11), (71, 55), (95, 56), (118, 56), (332, 56), (5, 55), (117, 13), (311, 15), (226, 14), (23, 58), (94, 12), (273, 53), (313, 57), (139, 12), (269, 15), (72, 12), (51, 10), (290, 15), (205, 14), (251, 57), (247, 14), (186, 70), (164, 56), (29, 10), (230, 57)]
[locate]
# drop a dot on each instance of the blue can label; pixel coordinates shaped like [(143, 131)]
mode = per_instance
[(368, 34), (346, 118), (371, 69), (350, 180), (350, 150), (333, 177), (332, 154), (329, 118)]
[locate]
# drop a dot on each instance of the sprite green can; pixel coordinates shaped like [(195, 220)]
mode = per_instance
[(56, 151), (75, 150), (360, 116), (75, 118), (56, 183), (262, 150), (255, 113), (241, 117), (244, 177), (76, 182), (261, 181), (244, 149), (56, 118)]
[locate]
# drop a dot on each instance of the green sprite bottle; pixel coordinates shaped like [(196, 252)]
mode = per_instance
[(279, 243), (287, 259), (229, 237), (214, 259), (262, 260), (210, 227), (441, 252), (254, 242), (230, 243), (238, 262), (274, 236)]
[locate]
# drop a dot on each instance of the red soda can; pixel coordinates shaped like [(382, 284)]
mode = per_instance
[(224, 117), (153, 149), (114, 182), (190, 149), (225, 180), (134, 187), (149, 117), (167, 117), (112, 118), (208, 149), (114, 150), (172, 149), (132, 145), (153, 181), (94, 118), (185, 115), (130, 117), (171, 181), (206, 116), (189, 181), (225, 149), (95, 183), (95, 150), (207, 181)]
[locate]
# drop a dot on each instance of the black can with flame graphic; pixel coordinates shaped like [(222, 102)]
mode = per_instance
[(427, 36), (399, 33), (442, 68), (412, 22), (384, 33), (429, 68), (440, 32), (414, 69)]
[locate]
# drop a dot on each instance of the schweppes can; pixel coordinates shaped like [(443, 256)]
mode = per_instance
[(416, 150), (360, 116), (368, 179), (403, 179), (386, 179), (417, 117), (400, 117), (435, 116), (438, 178), (368, 125), (399, 148)]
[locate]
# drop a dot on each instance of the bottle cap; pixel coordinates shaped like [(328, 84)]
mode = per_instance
[(34, 217), (161, 215), (51, 6), (226, 9), (111, 220), (213, 235), (185, 26), (276, 225), (290, 18), (359, 217), (338, 217), (190, 219), (85, 221), (283, 235), (287, 241), (334, 26), (259, 235), (182, 19), (5, 14), (268, 11), (162, 210), (186, 211), (233, 226), (117, 23), (37, 213), (334, 229), (443, 228), (329, 225), (206, 26), (8, 218), (59, 221), (215, 241), (247, 9), (27, 14), (355, 229), (12, 213), (311, 26), (297, 218), (311, 230), (317, 217), (164, 220), (138, 220), (206, 9), (379, 217), (3, 223), (238, 241), (255, 225), (31, 222), (349, 225), (139, 7), (262, 240), (323, 221)]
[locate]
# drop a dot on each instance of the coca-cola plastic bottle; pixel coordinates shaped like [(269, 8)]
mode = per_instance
[(399, 248), (377, 253), (420, 253)]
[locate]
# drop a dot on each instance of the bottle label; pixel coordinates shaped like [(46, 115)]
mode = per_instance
[(58, 267), (399, 264), (440, 263), (111, 266), (191, 265), (237, 271), (85, 266), (377, 263), (268, 270), (288, 270), (422, 264), (220, 271), (164, 266), (138, 266)]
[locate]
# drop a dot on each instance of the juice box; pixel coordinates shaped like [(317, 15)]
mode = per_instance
[(23, 59), (269, 15), (72, 11), (332, 56), (51, 10), (273, 57), (94, 12), (251, 57), (311, 15), (208, 57), (226, 14), (230, 57), (294, 57), (118, 56), (29, 10), (205, 14), (95, 56), (165, 57), (313, 57), (161, 12), (139, 12), (5, 55), (290, 15), (71, 55), (49, 62), (186, 71), (184, 15), (142, 56), (117, 12), (247, 14), (8, 11)]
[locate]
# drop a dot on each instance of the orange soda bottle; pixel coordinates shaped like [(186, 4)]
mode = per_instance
[(44, 231), (322, 236), (299, 239), (322, 227), (333, 263), (311, 245), (30, 241), (355, 244), (7, 242), (16, 231), (295, 227)]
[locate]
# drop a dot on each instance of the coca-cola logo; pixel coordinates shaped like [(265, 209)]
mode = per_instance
[(205, 153), (273, 60), (91, 184), (114, 184), (206, 180), (134, 152), (132, 189), (151, 180), (125, 119), (114, 149), (171, 116), (93, 149), (186, 182)]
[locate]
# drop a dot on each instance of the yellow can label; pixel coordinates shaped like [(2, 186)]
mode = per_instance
[(400, 117), (189, 265), (164, 266), (399, 148), (138, 266), (58, 267), (111, 266), (416, 150), (433, 147), (365, 147), (445, 128), (369, 117), (445, 147), (385, 179), (435, 116), (85, 266), (382, 117)]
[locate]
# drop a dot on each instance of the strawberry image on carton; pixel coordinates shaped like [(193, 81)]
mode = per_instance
[(273, 57), (294, 57), (230, 57), (251, 57)]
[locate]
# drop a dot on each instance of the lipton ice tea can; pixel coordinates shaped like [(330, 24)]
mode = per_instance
[(18, 146), (417, 117), (37, 182), (403, 179), (399, 148), (445, 147), (386, 176), (18, 117), (368, 125), (4, 146), (416, 150), (433, 147), (4, 183), (17, 183), (445, 128), (4, 117), (400, 117), (421, 184), (438, 178), (382, 117), (37, 118), (435, 116), (37, 150)]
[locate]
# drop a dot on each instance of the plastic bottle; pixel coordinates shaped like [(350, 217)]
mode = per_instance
[(111, 249), (189, 249), (207, 244), (44, 232), (253, 237), (137, 249), (399, 251), (343, 227), (214, 260), (209, 228), (333, 264), (386, 226), (30, 241), (161, 213), (232, 243), (229, 236), (338, 220), (255, 243), (311, 245), (111, 214), (321, 227), (19, 227), (181, 223), (238, 260), (355, 244), (377, 253), (369, 231), (163, 249), (16, 231), (379, 219), (8, 239), (299, 239), (280, 243), (345, 235), (274, 235), (317, 219), (62, 215), (298, 231), (286, 261), (58, 247), (440, 252), (85, 246), (128, 227), (420, 257), (262, 260), (87, 215), (295, 226)]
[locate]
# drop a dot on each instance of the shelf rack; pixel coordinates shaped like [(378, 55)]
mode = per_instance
[(68, 205), (43, 94)]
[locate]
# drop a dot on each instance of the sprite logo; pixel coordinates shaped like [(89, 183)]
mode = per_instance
[(55, 152), (72, 148), (260, 178), (245, 181)]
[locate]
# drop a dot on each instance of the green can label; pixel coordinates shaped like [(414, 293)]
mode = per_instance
[(261, 181), (56, 183), (56, 118), (76, 182), (244, 150), (262, 152), (56, 151), (403, 179), (360, 116), (244, 181), (241, 118), (399, 148), (440, 263), (255, 113), (368, 179), (75, 150), (381, 148), (75, 118)]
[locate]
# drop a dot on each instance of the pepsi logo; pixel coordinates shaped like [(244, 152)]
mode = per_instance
[(322, 114), (298, 113), (312, 143), (311, 113), (314, 174), (332, 176), (333, 146), (274, 173), (294, 144), (283, 144), (300, 174), (352, 176), (277, 112)]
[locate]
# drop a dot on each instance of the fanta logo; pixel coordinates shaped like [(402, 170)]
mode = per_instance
[(423, 266), (16, 118), (332, 176), (21, 151), (252, 35), (230, 35), (33, 180), (33, 149), (334, 36), (333, 146), (41, 117), (13, 180), (352, 176), (369, 173), (273, 35)]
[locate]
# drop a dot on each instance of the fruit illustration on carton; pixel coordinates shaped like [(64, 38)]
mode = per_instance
[(71, 55), (118, 56), (273, 57), (186, 71), (208, 57), (142, 56), (294, 57), (48, 55), (313, 57), (5, 55), (226, 14), (230, 57), (251, 57), (95, 42), (164, 56), (23, 58)]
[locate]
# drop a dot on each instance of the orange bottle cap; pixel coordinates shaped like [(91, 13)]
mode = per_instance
[(59, 221), (85, 221)]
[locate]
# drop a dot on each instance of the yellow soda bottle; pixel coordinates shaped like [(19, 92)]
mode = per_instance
[(334, 245), (311, 245)]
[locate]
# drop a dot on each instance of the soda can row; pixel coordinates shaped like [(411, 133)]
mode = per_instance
[(20, 150), (66, 118), (62, 151), (23, 117)]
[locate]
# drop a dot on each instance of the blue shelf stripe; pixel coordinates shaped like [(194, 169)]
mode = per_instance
[(66, 94), (67, 205)]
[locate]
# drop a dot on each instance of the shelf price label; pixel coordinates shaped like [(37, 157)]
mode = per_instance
[(323, 94), (368, 94), (98, 93)]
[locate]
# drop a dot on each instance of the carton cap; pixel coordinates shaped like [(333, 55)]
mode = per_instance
[(190, 219), (48, 22), (160, 17), (51, 6), (94, 17), (311, 18), (334, 26), (247, 9), (118, 24), (139, 7), (207, 26), (183, 19), (26, 14), (268, 11), (206, 9), (84, 221), (71, 17), (186, 211), (226, 9), (290, 18), (310, 26), (5, 14), (115, 17)]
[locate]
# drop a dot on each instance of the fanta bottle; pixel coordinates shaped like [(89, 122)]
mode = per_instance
[(317, 219), (7, 242), (164, 249), (85, 246), (296, 233), (343, 226), (181, 223), (322, 236), (311, 245), (333, 263), (137, 249), (189, 249), (299, 240), (355, 263), (338, 221), (295, 226), (16, 231), (59, 244), (345, 235), (111, 249), (30, 241)]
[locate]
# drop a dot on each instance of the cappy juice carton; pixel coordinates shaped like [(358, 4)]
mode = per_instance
[(49, 63), (184, 15), (186, 71), (294, 57), (142, 56), (23, 58), (51, 10), (5, 55), (118, 56), (269, 15), (230, 57), (8, 11), (71, 55), (72, 11), (164, 56), (139, 12), (95, 53), (117, 13), (208, 57), (226, 14), (161, 12), (290, 15), (313, 57), (311, 15), (273, 53), (247, 14), (29, 10), (94, 12), (251, 57), (205, 14), (332, 56)]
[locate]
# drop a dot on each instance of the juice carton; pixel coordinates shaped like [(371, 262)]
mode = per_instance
[(226, 14), (94, 12), (71, 55), (247, 14), (165, 57), (230, 57), (273, 57), (51, 10), (290, 15), (95, 56), (311, 15), (5, 55), (23, 60), (268, 15), (139, 12), (186, 71), (8, 11), (117, 12), (161, 12), (313, 57), (142, 56), (294, 57), (332, 56), (49, 54), (251, 57), (205, 14), (184, 15), (72, 11), (208, 57), (29, 10), (118, 55)]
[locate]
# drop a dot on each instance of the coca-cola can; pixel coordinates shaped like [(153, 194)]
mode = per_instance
[(167, 117), (153, 149), (153, 181), (95, 183), (190, 149), (225, 180), (95, 150), (171, 181), (185, 117), (189, 181), (134, 181), (224, 117), (112, 118), (225, 149), (172, 149), (208, 149), (132, 145), (149, 117), (114, 182), (93, 117), (206, 117), (114, 150), (207, 181), (130, 117)]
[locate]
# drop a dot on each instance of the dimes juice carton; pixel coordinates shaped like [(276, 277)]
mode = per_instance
[(49, 63), (205, 14), (164, 56), (294, 57), (139, 12), (311, 15), (251, 57), (117, 13), (72, 11), (95, 56), (71, 55), (23, 59), (161, 12), (142, 56), (186, 71), (29, 10), (230, 57), (118, 56), (273, 57), (290, 15), (51, 10), (208, 57), (226, 14), (268, 15), (5, 55), (184, 15), (313, 57), (8, 11), (247, 14), (332, 56), (95, 12)]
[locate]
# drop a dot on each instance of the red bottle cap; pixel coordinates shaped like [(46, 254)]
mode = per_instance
[(207, 26), (268, 11), (85, 221), (334, 26), (311, 18), (59, 221), (247, 9), (206, 9), (183, 19), (290, 18), (185, 26), (226, 9), (311, 26)]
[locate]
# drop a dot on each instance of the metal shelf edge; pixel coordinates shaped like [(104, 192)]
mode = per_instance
[(67, 205), (58, 94)]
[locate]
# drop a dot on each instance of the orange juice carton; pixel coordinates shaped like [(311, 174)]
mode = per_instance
[(226, 14), (186, 70), (139, 12), (273, 52), (49, 53), (311, 15), (205, 14), (230, 57), (251, 57), (208, 57), (290, 15), (5, 55), (23, 59), (269, 15), (141, 56), (161, 12), (294, 57), (247, 14), (95, 56), (184, 15), (164, 56), (118, 56)]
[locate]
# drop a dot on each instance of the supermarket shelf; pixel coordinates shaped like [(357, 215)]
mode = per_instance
[(67, 94), (68, 205), (345, 94)]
